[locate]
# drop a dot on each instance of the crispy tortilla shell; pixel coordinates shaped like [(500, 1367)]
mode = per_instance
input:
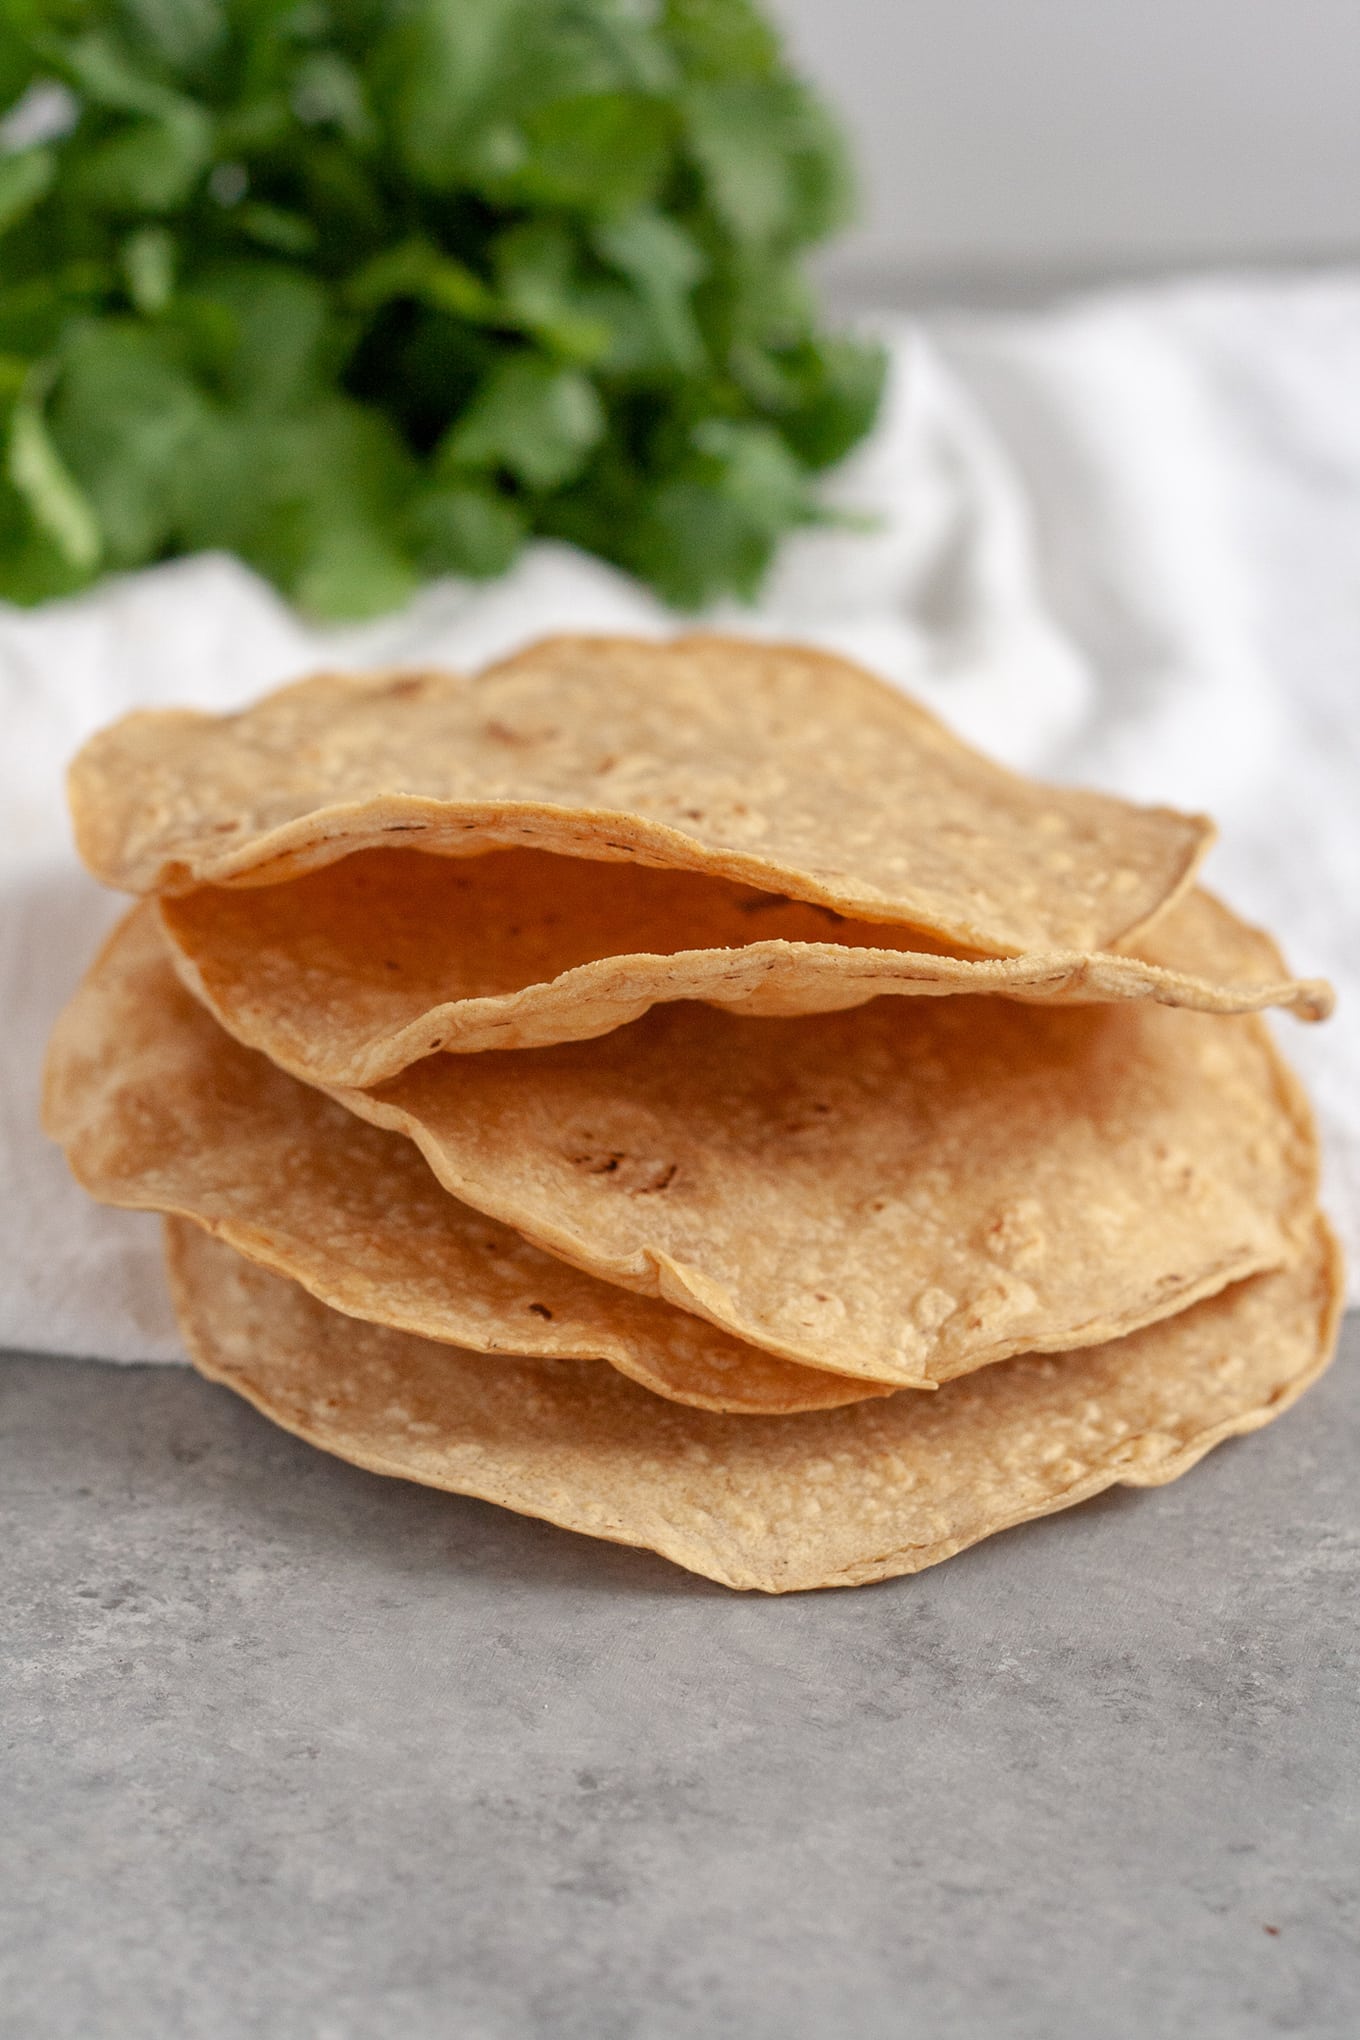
[(901, 1192), (836, 1498), (159, 1110), (773, 765), (351, 973)]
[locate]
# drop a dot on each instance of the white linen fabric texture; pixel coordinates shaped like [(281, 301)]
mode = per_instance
[(1117, 542)]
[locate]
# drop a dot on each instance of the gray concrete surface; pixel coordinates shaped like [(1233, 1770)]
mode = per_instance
[(291, 1750)]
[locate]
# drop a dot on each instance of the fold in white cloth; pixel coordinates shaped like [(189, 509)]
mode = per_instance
[(1117, 542)]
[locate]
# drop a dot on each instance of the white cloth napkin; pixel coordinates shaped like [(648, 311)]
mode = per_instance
[(1117, 542)]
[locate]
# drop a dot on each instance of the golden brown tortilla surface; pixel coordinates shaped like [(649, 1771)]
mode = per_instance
[(349, 974), (836, 1498), (901, 1192), (158, 1109), (773, 765)]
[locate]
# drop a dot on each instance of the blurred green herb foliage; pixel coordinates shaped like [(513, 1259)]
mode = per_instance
[(370, 290)]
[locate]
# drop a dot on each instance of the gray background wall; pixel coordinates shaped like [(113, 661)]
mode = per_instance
[(1043, 138)]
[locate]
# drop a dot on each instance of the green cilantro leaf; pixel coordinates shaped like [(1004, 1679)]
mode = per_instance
[(24, 179), (532, 420), (58, 508)]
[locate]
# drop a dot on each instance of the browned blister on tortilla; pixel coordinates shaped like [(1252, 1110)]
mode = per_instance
[(351, 973), (776, 766), (158, 1109), (902, 1192), (836, 1498)]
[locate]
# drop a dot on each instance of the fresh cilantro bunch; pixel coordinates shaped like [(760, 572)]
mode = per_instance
[(365, 290)]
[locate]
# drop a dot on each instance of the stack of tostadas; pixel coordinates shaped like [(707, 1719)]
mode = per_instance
[(681, 1091)]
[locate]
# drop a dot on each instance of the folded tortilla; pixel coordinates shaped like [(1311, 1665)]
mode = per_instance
[(351, 973), (775, 766), (835, 1498)]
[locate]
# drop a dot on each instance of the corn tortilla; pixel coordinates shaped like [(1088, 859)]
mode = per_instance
[(902, 1192), (837, 1498), (159, 1110), (773, 765), (349, 974)]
